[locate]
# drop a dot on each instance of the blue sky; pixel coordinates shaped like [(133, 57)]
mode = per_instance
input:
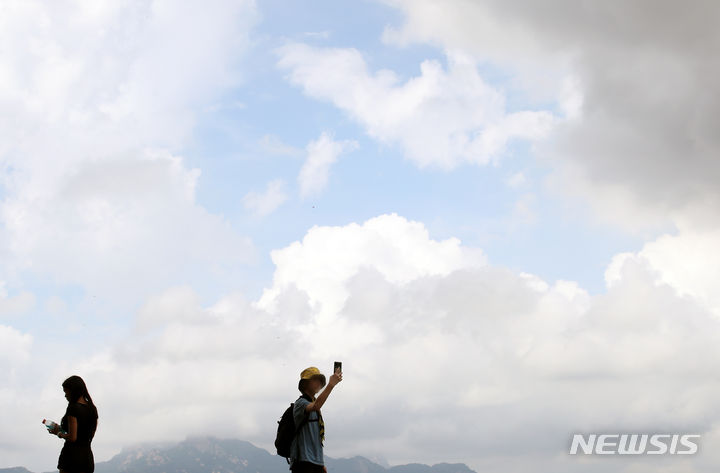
[(191, 195), (470, 202)]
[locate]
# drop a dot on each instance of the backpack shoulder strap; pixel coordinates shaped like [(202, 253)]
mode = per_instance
[(306, 418)]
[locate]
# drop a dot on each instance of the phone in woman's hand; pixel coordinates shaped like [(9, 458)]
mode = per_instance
[(337, 366)]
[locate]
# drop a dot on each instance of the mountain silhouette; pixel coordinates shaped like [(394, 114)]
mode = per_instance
[(213, 455)]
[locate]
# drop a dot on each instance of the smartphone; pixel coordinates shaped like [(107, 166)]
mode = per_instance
[(337, 366)]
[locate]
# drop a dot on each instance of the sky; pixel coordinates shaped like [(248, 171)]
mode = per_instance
[(501, 216)]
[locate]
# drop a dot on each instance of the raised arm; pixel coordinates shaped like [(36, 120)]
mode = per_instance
[(335, 378)]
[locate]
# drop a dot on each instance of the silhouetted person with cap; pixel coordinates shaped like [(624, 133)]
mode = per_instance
[(307, 445)]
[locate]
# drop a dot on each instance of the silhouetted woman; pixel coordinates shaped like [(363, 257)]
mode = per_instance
[(80, 423)]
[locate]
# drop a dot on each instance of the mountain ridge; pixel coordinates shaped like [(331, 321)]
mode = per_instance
[(215, 455)]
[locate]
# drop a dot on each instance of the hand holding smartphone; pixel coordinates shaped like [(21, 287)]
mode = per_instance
[(336, 377)]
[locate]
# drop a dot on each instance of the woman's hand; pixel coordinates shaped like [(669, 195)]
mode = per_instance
[(54, 430), (324, 468)]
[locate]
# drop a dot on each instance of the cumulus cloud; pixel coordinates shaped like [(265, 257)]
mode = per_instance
[(524, 210), (327, 257), (111, 217), (516, 180), (517, 363), (642, 145), (96, 97), (442, 118), (321, 155), (687, 262), (272, 144), (454, 358), (17, 304), (14, 347), (266, 202)]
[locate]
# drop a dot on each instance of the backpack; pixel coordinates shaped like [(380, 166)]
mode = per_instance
[(286, 432)]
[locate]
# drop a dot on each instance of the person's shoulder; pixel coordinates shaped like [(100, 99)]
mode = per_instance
[(79, 408), (300, 405)]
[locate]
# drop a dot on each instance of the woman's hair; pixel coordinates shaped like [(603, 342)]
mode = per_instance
[(76, 387)]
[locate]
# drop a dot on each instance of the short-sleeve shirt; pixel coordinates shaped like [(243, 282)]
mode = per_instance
[(77, 456), (306, 445), (86, 421)]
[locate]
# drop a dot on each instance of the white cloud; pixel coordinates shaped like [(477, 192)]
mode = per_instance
[(418, 323), (635, 79), (274, 145), (517, 363), (114, 221), (327, 257), (441, 118), (516, 180), (14, 350), (16, 364), (14, 305), (535, 360), (95, 96), (321, 155), (524, 210), (266, 202), (688, 262), (317, 34)]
